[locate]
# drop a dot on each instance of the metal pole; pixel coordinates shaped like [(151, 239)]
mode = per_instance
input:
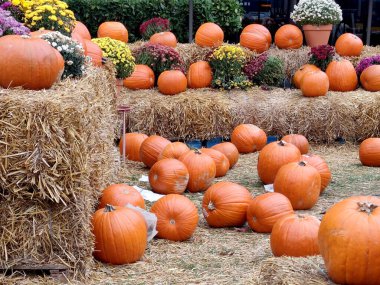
[(369, 22), (124, 140), (191, 20)]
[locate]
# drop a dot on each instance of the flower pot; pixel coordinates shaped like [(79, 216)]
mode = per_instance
[(317, 35)]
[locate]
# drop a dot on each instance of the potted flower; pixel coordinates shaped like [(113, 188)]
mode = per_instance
[(317, 18)]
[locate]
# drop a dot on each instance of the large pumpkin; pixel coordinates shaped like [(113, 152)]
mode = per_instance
[(39, 33), (120, 235), (248, 138), (121, 195), (299, 141), (209, 35), (141, 78), (174, 150), (321, 166), (164, 38), (256, 37), (297, 78), (273, 156), (82, 30), (222, 163), (288, 37), (349, 238), (28, 62), (94, 52), (295, 235), (266, 209), (78, 38), (370, 78), (168, 176), (315, 83), (151, 148), (113, 30), (342, 75), (349, 45), (172, 82), (225, 204), (133, 142), (369, 152), (199, 75)]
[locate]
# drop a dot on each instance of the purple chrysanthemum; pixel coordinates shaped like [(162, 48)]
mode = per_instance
[(367, 62), (10, 26)]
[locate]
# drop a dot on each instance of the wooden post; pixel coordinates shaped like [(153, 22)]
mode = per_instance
[(369, 22), (191, 20)]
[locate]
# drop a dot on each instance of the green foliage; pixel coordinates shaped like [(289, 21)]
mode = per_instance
[(272, 73), (228, 15)]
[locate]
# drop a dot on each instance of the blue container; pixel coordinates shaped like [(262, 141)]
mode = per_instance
[(272, 139), (194, 143), (213, 141)]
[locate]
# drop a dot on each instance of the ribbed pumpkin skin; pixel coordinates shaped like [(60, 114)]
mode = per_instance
[(174, 150), (266, 209), (248, 138), (300, 183), (229, 150), (151, 148), (273, 156), (172, 82), (82, 30), (113, 30), (314, 84), (120, 235), (299, 141), (369, 152), (297, 78), (132, 145), (177, 217), (121, 195), (349, 45), (169, 176), (222, 163), (342, 76), (199, 75), (225, 204), (256, 37), (321, 166), (295, 235), (164, 38), (288, 37), (80, 40), (349, 241), (141, 78), (95, 52), (209, 35), (370, 78), (28, 62), (201, 168)]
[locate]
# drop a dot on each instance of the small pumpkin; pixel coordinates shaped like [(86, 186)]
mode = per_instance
[(222, 163), (315, 83), (288, 37), (256, 37), (164, 38), (321, 166), (133, 142), (225, 204), (229, 150), (370, 78), (121, 195), (369, 152), (349, 45), (172, 82), (248, 138), (209, 35), (199, 75), (297, 78), (94, 52), (177, 217), (299, 141), (113, 30), (151, 148), (342, 75), (82, 30), (141, 78), (174, 150)]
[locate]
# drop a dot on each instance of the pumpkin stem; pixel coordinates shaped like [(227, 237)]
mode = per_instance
[(302, 163), (172, 222), (197, 151), (367, 207), (109, 208), (282, 143), (211, 206)]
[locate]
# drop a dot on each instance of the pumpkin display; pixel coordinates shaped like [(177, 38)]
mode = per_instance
[(201, 169), (369, 152), (273, 156), (79, 39), (225, 204), (168, 176), (229, 150), (288, 37), (300, 183), (82, 30), (266, 209), (297, 78), (120, 235), (321, 166), (222, 163), (299, 141), (141, 78), (177, 217), (151, 148), (256, 37), (28, 62), (349, 45), (370, 78), (342, 75), (94, 52), (199, 75), (295, 235), (348, 240), (113, 30), (209, 35), (248, 138), (174, 150), (172, 82), (164, 38), (121, 195), (133, 142), (315, 83)]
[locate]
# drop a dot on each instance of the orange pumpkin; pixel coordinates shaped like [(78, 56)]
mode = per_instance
[(342, 75), (121, 195), (266, 209), (369, 152), (221, 161), (256, 37), (349, 45), (295, 235), (82, 30), (172, 82), (151, 148), (164, 38), (225, 204), (297, 78), (321, 166), (209, 35), (370, 78), (113, 30), (141, 78), (177, 217), (169, 176), (288, 37), (199, 75), (37, 34), (315, 83), (299, 141), (28, 62), (229, 150), (248, 138), (133, 143), (79, 39), (95, 52), (120, 235), (174, 150)]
